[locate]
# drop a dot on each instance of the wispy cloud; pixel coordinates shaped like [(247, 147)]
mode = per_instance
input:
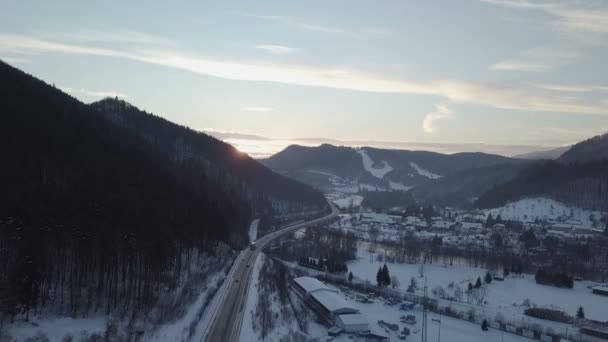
[(276, 49), (541, 58), (457, 91), (518, 66), (367, 32), (577, 88), (259, 109), (432, 119), (93, 93), (587, 16)]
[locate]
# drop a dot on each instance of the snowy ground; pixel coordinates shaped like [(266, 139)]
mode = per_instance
[(424, 172), (247, 332), (502, 295), (530, 209), (57, 328), (368, 165), (348, 201), (253, 230)]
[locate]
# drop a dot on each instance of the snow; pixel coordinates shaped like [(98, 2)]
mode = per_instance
[(310, 284), (247, 332), (529, 209), (56, 328), (253, 230), (399, 186), (502, 294), (331, 301), (345, 202), (424, 172), (368, 165)]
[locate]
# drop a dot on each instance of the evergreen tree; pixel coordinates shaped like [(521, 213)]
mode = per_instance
[(470, 287), (413, 285), (478, 283), (386, 276), (488, 277), (484, 325), (379, 278), (490, 221), (350, 276), (580, 313)]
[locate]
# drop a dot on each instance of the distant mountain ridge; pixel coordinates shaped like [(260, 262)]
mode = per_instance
[(551, 154), (397, 169)]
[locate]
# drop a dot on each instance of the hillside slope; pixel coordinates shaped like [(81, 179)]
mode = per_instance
[(595, 148), (99, 214)]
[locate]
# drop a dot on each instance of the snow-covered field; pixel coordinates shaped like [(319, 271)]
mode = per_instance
[(452, 330), (351, 200), (368, 165), (502, 295), (542, 208)]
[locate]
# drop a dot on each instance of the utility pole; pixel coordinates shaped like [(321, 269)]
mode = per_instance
[(423, 336), (439, 322)]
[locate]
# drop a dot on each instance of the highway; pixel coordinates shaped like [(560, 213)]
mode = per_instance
[(226, 323)]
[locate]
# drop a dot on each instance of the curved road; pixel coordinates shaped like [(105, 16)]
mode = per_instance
[(226, 324)]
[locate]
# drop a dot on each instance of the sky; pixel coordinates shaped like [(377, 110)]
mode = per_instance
[(502, 76)]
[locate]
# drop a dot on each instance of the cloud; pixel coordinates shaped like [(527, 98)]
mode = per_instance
[(93, 93), (579, 88), (431, 120), (368, 32), (539, 59), (276, 49), (259, 109), (518, 66), (496, 96), (572, 16)]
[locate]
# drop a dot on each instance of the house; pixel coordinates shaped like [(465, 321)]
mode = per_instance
[(352, 323), (600, 290), (596, 329)]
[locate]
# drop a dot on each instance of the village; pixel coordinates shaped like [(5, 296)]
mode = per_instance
[(478, 269)]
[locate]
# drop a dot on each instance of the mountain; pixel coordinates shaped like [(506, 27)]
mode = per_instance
[(581, 184), (462, 188), (551, 154), (326, 166), (595, 148), (103, 206)]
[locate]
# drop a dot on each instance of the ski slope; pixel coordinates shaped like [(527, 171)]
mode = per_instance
[(368, 165), (423, 172)]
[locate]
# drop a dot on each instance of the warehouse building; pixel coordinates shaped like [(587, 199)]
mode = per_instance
[(330, 305)]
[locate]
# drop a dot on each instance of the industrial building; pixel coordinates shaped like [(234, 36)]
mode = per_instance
[(330, 305)]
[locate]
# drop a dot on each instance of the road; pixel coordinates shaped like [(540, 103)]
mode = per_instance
[(226, 324)]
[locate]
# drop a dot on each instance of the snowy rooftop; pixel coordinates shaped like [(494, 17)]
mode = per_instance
[(309, 284), (353, 319), (332, 301)]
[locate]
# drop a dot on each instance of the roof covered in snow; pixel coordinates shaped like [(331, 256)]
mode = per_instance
[(309, 284), (353, 319), (332, 301)]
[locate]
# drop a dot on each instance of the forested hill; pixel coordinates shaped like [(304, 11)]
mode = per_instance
[(595, 148), (199, 154), (583, 185), (95, 216)]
